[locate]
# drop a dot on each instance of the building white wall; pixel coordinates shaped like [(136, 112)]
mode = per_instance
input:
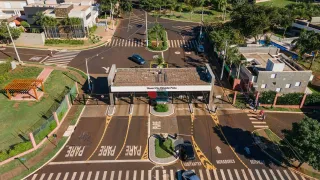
[(305, 27)]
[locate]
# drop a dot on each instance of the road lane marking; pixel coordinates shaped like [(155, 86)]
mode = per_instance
[(279, 173), (204, 160), (58, 176), (294, 175), (50, 176), (286, 173), (108, 119), (134, 175), (208, 174), (89, 175), (74, 176), (126, 137), (127, 175), (42, 176), (272, 174), (81, 175), (251, 174), (98, 161), (66, 176), (171, 175), (222, 174), (258, 122), (104, 175), (215, 174), (265, 174), (201, 174), (230, 174), (259, 175), (157, 174), (97, 175), (261, 126), (119, 175), (142, 175), (112, 175), (149, 174), (244, 174), (237, 174)]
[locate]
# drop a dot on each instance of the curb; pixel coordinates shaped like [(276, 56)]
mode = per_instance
[(157, 163), (58, 152), (163, 115)]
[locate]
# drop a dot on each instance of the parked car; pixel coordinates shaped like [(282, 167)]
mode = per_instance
[(138, 59), (200, 48), (185, 151), (187, 175)]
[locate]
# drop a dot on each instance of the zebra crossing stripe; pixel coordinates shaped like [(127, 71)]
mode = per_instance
[(286, 173), (142, 175), (215, 174), (229, 173), (260, 126), (222, 174), (258, 173), (89, 175), (237, 174), (134, 175), (157, 174), (81, 175), (97, 175), (302, 177), (104, 176), (281, 177), (171, 175), (42, 176), (200, 173), (265, 174), (58, 176), (73, 175), (251, 174), (294, 175), (66, 176), (119, 175), (272, 174), (258, 122), (127, 175), (244, 174), (149, 174), (50, 176), (208, 174)]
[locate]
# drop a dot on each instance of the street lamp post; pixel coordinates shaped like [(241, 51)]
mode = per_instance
[(14, 46), (147, 43), (89, 85)]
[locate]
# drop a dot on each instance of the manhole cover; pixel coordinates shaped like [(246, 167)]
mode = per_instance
[(177, 52)]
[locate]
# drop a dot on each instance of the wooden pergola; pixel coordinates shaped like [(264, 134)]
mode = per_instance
[(19, 85)]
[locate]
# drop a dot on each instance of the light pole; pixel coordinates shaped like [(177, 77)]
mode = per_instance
[(89, 85), (14, 46), (224, 59), (146, 29)]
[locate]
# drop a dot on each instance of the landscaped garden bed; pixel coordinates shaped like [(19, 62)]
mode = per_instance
[(163, 149), (161, 108), (157, 38)]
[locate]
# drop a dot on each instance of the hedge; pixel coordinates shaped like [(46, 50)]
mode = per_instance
[(267, 97), (64, 41), (312, 100), (161, 108), (16, 149), (290, 99)]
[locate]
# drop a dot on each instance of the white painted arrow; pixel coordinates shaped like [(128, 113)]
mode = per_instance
[(247, 150), (218, 149)]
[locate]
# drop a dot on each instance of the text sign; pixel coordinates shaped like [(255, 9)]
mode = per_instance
[(74, 151), (257, 162), (156, 125), (226, 161), (107, 151), (133, 151)]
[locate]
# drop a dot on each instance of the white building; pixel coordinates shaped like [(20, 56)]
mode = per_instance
[(12, 8)]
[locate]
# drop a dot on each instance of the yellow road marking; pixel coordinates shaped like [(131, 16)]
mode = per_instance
[(108, 119), (216, 121), (145, 153), (126, 137), (182, 166)]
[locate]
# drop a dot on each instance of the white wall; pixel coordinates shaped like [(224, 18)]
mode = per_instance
[(305, 27)]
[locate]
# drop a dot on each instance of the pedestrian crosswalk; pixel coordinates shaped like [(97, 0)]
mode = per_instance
[(191, 44), (256, 121), (61, 58), (171, 174), (134, 19)]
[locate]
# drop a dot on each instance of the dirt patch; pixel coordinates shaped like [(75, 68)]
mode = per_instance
[(30, 103), (16, 105)]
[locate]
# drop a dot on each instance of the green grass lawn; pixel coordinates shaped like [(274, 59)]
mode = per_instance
[(23, 117), (276, 3), (165, 150)]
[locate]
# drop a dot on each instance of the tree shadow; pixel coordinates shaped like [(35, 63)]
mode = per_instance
[(162, 146)]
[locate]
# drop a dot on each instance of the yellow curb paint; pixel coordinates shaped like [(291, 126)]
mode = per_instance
[(182, 166), (126, 137), (108, 119), (145, 153), (216, 121)]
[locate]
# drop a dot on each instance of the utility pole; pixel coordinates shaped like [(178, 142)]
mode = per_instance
[(224, 59), (129, 22), (14, 46), (89, 83), (146, 29)]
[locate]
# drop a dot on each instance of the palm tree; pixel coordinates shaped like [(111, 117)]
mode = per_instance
[(234, 57)]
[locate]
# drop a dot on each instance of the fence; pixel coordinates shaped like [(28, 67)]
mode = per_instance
[(36, 137)]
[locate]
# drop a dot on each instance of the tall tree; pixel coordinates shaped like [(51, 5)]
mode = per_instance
[(308, 42), (126, 6), (286, 19), (4, 34), (193, 4), (304, 139), (234, 57)]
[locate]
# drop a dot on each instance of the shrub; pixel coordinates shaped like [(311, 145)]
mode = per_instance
[(64, 41), (312, 100), (161, 108), (290, 99), (4, 69), (93, 29), (19, 148), (267, 97), (25, 24), (3, 155)]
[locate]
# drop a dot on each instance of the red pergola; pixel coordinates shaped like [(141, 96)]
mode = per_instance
[(19, 85)]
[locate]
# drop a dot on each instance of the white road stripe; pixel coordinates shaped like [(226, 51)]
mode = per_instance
[(66, 176), (272, 174), (222, 174), (125, 45), (50, 176), (258, 122), (119, 175), (244, 174), (252, 118), (132, 42), (261, 126), (58, 176), (237, 174), (157, 174), (164, 174), (230, 174), (149, 174), (208, 174), (122, 42), (142, 175), (42, 176), (171, 175), (265, 174), (97, 175), (175, 43), (112, 175), (104, 176), (279, 173), (181, 43), (294, 175), (89, 175), (286, 173), (215, 174), (302, 177), (201, 174), (74, 176), (258, 173), (178, 43), (112, 42), (127, 175), (134, 175), (168, 43), (81, 175), (251, 174)]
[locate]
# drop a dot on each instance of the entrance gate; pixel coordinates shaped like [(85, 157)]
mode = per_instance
[(93, 99)]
